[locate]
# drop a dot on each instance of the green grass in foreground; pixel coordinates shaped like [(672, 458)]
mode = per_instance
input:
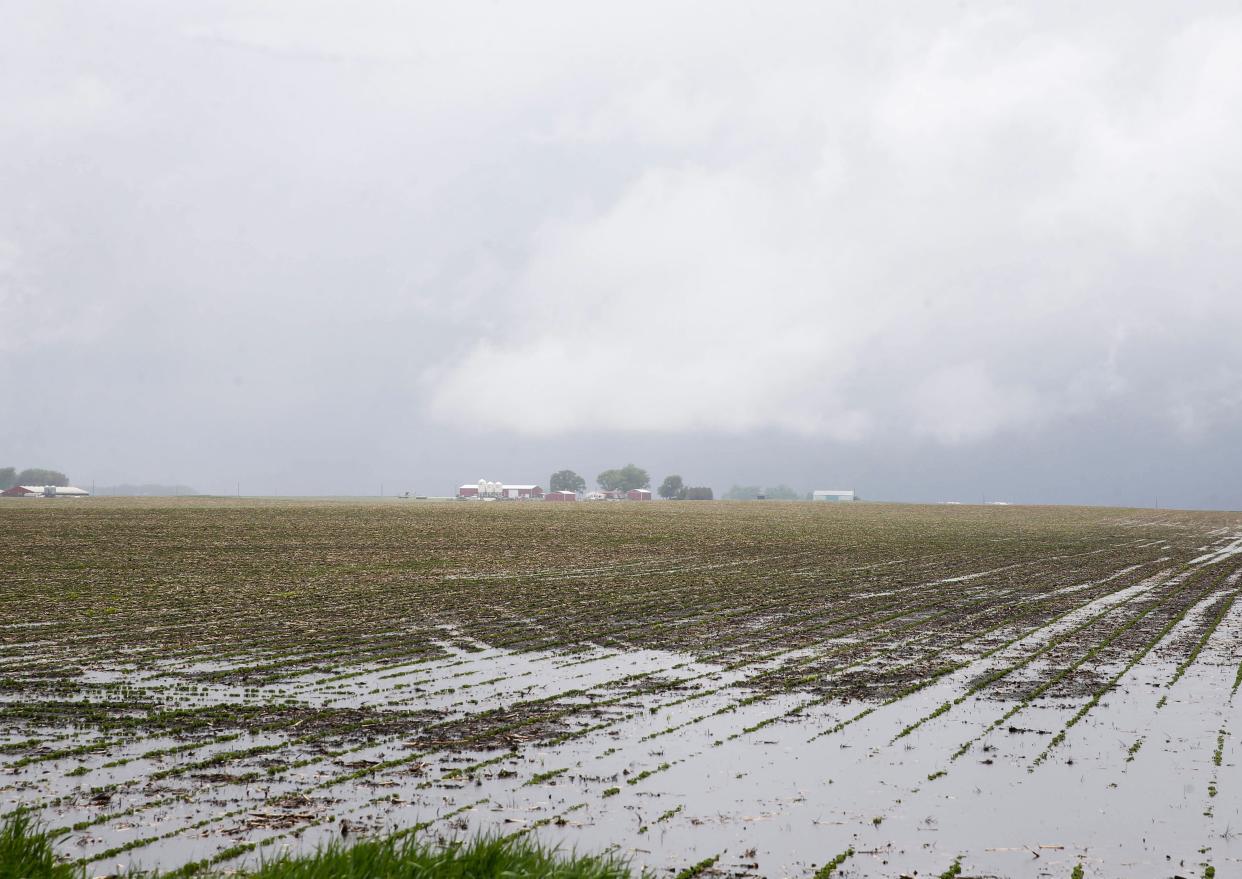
[(26, 853)]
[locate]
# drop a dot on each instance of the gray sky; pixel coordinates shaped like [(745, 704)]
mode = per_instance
[(925, 250)]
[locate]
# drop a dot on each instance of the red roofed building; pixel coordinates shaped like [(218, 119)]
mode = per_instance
[(44, 491)]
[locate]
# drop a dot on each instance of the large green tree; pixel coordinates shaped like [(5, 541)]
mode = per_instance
[(624, 478), (8, 477), (39, 476), (743, 493), (566, 480), (671, 487), (781, 492)]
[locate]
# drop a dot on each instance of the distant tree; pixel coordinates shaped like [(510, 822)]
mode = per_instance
[(781, 492), (697, 493), (8, 477), (39, 476), (567, 480), (743, 493), (145, 490), (624, 479), (671, 488)]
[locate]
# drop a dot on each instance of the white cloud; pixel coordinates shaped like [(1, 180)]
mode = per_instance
[(982, 244), (678, 309), (64, 105), (845, 221), (31, 315), (962, 403)]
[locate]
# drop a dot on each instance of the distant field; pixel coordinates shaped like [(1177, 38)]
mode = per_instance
[(769, 685)]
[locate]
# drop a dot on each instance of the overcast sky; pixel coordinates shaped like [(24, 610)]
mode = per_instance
[(929, 251)]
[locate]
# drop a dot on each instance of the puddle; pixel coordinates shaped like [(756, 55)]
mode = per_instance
[(1020, 724), (776, 800)]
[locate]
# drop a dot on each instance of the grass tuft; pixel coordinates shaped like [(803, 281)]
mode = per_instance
[(829, 868), (482, 857), (955, 869), (696, 869), (26, 851)]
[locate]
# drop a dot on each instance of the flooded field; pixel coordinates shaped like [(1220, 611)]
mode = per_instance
[(759, 689)]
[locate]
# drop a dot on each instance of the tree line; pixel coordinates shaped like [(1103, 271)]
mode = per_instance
[(780, 492), (628, 478), (673, 487), (9, 477)]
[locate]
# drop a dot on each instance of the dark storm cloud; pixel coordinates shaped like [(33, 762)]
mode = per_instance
[(314, 247)]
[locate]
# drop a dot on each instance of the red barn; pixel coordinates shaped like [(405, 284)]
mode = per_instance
[(468, 491), (560, 496), (638, 494), (23, 491), (44, 491)]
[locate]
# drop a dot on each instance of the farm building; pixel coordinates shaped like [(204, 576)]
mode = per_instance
[(615, 494), (521, 492), (560, 496), (498, 491), (833, 495), (22, 492), (44, 491)]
